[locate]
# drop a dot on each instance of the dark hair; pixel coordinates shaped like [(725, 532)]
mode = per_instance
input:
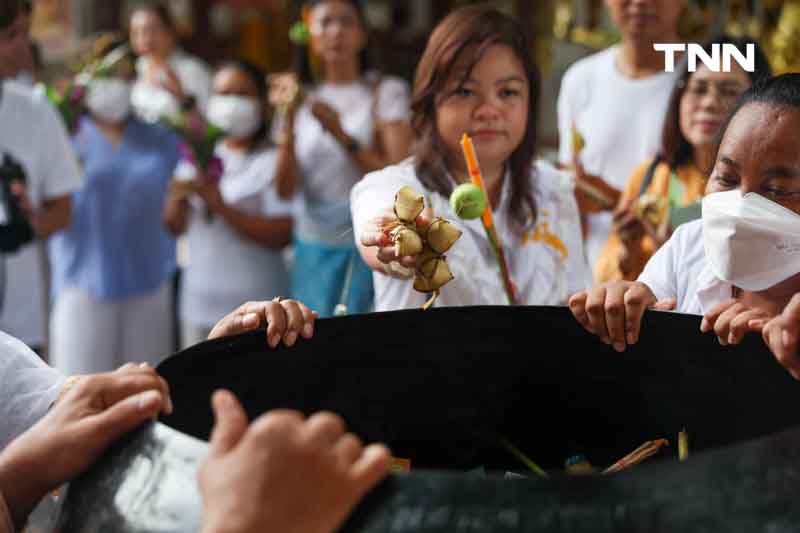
[(157, 8), (252, 71), (302, 60), (468, 32), (675, 148), (780, 91), (10, 10)]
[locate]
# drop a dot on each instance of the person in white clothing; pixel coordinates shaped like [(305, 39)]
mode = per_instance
[(353, 121), (32, 137), (236, 228), (616, 100), (491, 93), (740, 265), (169, 79)]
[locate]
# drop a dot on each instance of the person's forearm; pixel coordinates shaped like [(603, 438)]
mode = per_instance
[(53, 216), (176, 214), (287, 175), (17, 484), (270, 232)]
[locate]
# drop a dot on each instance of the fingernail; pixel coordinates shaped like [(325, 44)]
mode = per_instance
[(619, 346), (731, 339), (630, 339), (290, 338), (722, 341), (250, 320), (149, 400), (605, 340), (704, 325), (274, 339), (308, 330)]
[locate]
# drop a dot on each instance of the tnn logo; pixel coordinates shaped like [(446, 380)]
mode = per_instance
[(718, 61)]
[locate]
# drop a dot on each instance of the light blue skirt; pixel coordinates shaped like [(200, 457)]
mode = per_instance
[(324, 276)]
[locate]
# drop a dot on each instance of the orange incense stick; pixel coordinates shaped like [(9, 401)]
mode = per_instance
[(476, 176), (488, 222)]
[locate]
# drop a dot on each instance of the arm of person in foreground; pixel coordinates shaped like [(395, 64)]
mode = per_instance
[(90, 417)]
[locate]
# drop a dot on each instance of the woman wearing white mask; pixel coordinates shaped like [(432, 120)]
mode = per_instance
[(739, 266), (236, 228), (169, 80), (111, 265)]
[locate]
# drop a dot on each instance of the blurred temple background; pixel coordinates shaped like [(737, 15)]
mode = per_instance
[(258, 30)]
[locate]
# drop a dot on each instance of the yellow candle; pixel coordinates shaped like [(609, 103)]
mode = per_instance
[(475, 175)]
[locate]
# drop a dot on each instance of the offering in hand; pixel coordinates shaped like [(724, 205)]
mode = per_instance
[(428, 242)]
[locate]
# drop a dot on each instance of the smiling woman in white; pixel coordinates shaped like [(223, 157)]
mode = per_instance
[(740, 265), (236, 228), (493, 96)]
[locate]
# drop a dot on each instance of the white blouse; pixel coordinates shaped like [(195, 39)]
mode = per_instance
[(225, 268), (547, 263), (328, 170), (680, 270)]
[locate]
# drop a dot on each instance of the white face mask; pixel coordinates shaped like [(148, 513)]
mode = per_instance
[(750, 241), (238, 116), (109, 99)]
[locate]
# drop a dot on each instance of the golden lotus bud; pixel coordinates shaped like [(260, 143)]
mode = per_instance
[(436, 272), (442, 235), (408, 204), (651, 207), (406, 241), (426, 255), (421, 284)]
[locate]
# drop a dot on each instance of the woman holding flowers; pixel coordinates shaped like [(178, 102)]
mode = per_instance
[(353, 121), (236, 224), (111, 265), (477, 77)]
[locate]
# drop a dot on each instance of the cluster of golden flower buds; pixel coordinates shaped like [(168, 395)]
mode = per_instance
[(428, 242)]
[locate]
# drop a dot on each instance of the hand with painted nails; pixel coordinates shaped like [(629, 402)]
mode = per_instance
[(283, 472), (731, 320), (614, 311), (380, 252), (285, 319), (96, 411), (781, 335)]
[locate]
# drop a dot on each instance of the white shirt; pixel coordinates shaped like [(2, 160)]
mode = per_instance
[(32, 132), (680, 270), (151, 102), (225, 268), (546, 264), (621, 120), (28, 388), (328, 170)]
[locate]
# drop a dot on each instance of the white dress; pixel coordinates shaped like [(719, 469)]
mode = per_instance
[(546, 263)]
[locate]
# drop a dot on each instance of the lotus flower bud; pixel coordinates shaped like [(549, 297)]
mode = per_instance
[(436, 272), (442, 235), (408, 204), (406, 241)]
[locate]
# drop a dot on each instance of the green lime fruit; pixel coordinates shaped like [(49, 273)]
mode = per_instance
[(468, 201)]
